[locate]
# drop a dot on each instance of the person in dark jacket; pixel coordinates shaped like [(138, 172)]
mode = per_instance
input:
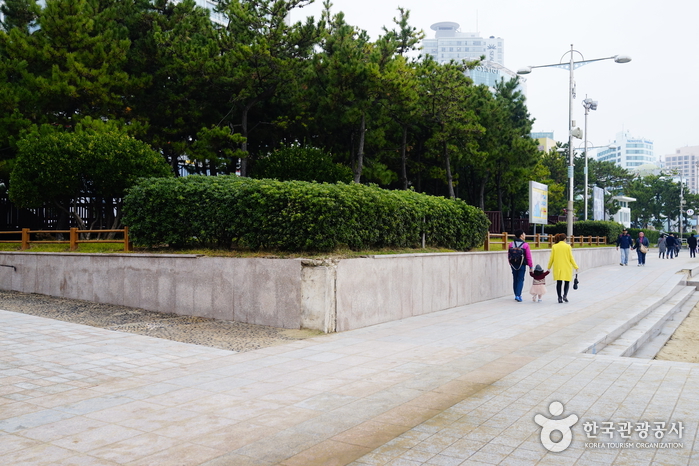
[(641, 241), (662, 247), (518, 272), (692, 245), (625, 242), (670, 245)]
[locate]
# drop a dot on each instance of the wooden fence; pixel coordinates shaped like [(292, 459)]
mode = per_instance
[(504, 239), (73, 234)]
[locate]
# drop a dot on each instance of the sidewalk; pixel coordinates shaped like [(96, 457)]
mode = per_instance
[(460, 386)]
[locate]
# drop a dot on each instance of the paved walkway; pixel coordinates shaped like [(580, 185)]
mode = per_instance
[(460, 386)]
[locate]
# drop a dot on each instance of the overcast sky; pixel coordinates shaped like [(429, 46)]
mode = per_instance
[(655, 96)]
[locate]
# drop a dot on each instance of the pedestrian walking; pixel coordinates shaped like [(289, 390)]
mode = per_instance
[(641, 246), (670, 245), (538, 289), (662, 247), (519, 256), (692, 245), (624, 242), (563, 264)]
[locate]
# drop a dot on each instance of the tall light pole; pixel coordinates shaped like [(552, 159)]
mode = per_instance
[(589, 104), (572, 132), (681, 206)]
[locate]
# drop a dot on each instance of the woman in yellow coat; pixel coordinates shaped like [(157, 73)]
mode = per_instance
[(563, 264)]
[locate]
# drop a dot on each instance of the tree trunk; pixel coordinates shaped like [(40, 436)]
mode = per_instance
[(244, 145), (481, 192), (360, 151), (450, 181), (403, 158), (72, 213), (498, 180), (173, 164)]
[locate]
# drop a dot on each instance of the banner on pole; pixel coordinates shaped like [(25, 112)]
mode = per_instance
[(597, 203), (538, 203)]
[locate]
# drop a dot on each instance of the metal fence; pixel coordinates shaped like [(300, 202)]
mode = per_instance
[(97, 213)]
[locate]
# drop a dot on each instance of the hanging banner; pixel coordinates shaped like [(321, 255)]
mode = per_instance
[(538, 203), (597, 203)]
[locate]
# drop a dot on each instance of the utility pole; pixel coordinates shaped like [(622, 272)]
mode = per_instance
[(682, 201)]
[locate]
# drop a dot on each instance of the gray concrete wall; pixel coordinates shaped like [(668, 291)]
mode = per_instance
[(258, 291), (384, 288), (290, 293)]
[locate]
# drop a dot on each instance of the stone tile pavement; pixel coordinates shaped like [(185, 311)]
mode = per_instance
[(460, 386)]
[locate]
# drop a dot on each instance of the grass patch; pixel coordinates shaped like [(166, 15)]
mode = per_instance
[(498, 247), (341, 253), (106, 248)]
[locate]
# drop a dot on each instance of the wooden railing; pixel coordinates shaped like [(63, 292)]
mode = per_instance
[(504, 239), (73, 235)]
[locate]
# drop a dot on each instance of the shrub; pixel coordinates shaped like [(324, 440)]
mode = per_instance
[(301, 164), (652, 235), (590, 228), (295, 215)]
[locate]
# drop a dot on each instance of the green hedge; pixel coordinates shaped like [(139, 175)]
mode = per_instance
[(589, 228), (611, 230), (652, 235), (295, 215)]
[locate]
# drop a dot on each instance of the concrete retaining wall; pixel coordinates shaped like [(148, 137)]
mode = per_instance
[(290, 293)]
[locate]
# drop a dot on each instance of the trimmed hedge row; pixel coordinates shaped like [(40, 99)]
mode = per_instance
[(295, 215), (589, 228), (611, 230)]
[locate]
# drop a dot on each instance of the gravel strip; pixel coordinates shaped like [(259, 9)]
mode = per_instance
[(223, 334)]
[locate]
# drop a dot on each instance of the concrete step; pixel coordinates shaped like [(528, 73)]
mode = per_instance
[(627, 315), (655, 344), (648, 327)]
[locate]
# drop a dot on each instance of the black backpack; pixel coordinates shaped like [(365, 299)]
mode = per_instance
[(515, 255)]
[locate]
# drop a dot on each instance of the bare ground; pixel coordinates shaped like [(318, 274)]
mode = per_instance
[(234, 336), (683, 346)]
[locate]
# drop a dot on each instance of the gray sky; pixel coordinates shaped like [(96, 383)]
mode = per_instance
[(655, 96)]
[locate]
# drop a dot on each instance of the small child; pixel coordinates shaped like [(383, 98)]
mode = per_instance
[(539, 285)]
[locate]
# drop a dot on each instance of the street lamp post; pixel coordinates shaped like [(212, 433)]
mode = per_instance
[(589, 104), (681, 207), (572, 132)]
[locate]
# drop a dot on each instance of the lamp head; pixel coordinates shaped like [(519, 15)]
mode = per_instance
[(525, 70), (621, 59), (590, 104)]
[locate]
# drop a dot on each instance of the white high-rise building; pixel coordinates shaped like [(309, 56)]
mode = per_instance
[(628, 152), (449, 43), (684, 163)]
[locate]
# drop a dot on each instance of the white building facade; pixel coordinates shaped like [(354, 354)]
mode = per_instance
[(684, 163), (623, 215), (449, 43), (628, 152)]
